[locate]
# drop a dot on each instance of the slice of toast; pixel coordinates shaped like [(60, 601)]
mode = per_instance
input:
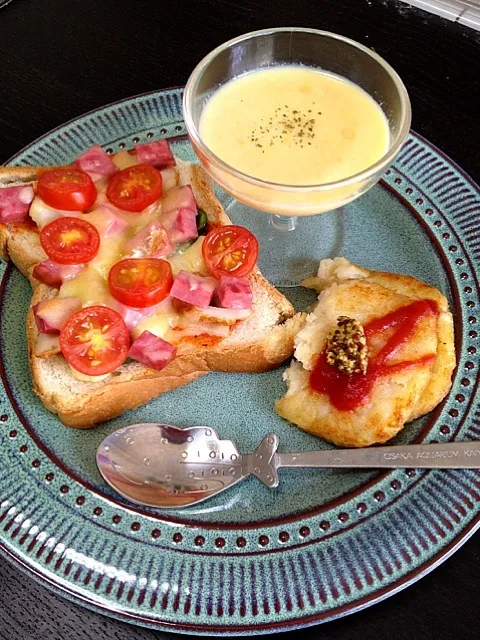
[(261, 342)]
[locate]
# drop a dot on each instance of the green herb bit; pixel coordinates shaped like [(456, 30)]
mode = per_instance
[(181, 248), (201, 220)]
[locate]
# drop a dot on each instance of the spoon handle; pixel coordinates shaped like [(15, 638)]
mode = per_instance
[(446, 455)]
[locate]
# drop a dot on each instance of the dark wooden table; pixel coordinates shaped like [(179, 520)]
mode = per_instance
[(60, 58)]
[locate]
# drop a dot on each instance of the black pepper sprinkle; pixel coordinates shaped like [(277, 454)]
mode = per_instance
[(295, 124)]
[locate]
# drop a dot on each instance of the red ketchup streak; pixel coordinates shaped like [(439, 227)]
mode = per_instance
[(349, 391)]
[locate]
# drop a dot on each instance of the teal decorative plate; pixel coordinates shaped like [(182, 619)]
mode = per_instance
[(252, 560)]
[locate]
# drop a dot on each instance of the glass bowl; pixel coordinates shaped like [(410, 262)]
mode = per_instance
[(319, 49)]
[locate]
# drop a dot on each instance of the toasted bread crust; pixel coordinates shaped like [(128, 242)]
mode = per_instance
[(18, 176), (83, 404)]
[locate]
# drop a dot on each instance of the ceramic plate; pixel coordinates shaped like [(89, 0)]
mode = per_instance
[(252, 560)]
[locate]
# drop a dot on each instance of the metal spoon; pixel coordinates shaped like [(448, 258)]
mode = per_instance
[(159, 465)]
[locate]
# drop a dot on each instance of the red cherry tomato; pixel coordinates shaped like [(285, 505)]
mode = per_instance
[(70, 240), (95, 340), (230, 251), (140, 282), (68, 189), (135, 188)]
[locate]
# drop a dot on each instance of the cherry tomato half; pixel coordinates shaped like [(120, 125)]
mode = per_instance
[(68, 189), (140, 282), (230, 251), (95, 340), (70, 240), (135, 188)]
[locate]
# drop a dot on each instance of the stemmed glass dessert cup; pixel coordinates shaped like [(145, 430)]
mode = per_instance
[(291, 235)]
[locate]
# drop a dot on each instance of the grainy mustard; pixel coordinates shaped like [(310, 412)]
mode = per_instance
[(347, 346)]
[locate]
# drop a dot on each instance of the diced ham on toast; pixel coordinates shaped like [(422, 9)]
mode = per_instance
[(261, 341)]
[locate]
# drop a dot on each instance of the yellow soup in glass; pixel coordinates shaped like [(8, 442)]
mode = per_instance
[(295, 125)]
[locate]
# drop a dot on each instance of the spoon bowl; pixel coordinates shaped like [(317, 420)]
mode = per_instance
[(146, 463)]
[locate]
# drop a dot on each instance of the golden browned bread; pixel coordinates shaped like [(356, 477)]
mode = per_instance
[(397, 397), (262, 341)]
